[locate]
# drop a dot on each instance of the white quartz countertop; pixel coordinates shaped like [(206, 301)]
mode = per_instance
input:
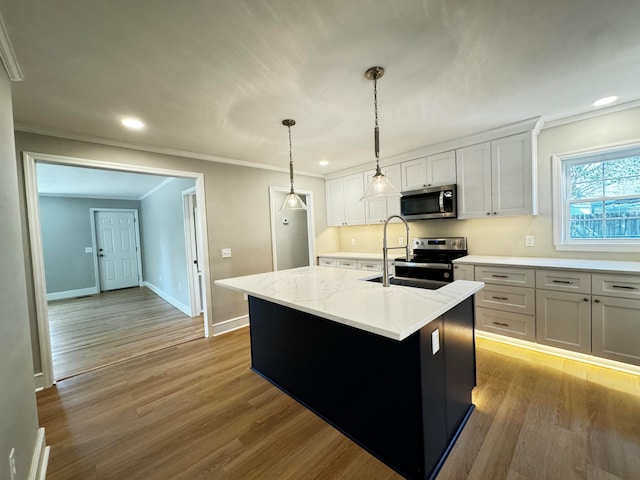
[(356, 255), (559, 263), (343, 295)]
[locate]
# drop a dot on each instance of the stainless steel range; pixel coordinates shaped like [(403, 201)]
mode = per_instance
[(432, 261)]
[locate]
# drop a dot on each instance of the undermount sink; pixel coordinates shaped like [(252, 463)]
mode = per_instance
[(410, 282)]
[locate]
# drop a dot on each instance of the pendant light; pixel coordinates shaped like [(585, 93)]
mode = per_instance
[(292, 201), (380, 186)]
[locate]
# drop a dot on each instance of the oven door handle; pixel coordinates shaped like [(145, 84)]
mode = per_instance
[(435, 266)]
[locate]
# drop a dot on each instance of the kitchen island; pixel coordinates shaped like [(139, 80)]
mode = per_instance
[(391, 368)]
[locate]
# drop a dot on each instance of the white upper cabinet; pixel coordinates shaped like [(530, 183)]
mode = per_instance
[(343, 200), (497, 178), (429, 171), (474, 180), (377, 211)]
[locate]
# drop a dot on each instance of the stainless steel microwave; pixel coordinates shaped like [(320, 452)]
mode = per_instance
[(427, 203)]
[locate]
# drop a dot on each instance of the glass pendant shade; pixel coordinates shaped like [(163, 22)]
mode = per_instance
[(292, 201), (380, 186)]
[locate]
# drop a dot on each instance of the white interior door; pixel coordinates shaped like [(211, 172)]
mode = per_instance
[(116, 239)]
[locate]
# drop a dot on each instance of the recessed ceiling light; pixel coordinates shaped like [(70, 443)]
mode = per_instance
[(323, 163), (605, 101), (132, 123)]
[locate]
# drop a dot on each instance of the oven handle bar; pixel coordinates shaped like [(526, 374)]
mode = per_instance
[(435, 266)]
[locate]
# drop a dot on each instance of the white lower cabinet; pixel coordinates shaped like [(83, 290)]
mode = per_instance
[(579, 310), (563, 320), (463, 272), (616, 328)]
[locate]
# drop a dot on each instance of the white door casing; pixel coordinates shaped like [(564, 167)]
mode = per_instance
[(118, 249), (46, 379), (193, 243)]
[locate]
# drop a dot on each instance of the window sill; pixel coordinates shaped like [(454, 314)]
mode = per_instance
[(599, 246)]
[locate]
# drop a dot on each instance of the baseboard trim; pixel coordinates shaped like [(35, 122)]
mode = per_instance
[(38, 380), (40, 458), (230, 325), (81, 292), (168, 298), (558, 352)]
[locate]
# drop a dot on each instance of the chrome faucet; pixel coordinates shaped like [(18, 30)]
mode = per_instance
[(385, 249)]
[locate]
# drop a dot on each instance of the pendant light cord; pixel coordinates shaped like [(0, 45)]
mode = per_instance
[(290, 160), (376, 130)]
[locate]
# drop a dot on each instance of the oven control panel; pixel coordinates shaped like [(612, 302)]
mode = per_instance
[(448, 243)]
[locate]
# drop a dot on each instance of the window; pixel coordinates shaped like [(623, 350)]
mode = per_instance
[(597, 200)]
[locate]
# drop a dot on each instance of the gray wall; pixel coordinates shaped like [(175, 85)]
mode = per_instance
[(162, 230), (18, 415), (292, 238), (242, 226), (65, 224)]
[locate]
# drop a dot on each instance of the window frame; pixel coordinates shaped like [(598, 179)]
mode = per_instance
[(560, 204)]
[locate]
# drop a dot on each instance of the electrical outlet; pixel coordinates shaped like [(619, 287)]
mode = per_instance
[(226, 253), (88, 249), (12, 464), (401, 241), (529, 241), (353, 242)]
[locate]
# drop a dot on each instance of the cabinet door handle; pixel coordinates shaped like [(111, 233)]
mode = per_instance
[(494, 275), (501, 324), (597, 301), (500, 298), (566, 282), (585, 299), (626, 287)]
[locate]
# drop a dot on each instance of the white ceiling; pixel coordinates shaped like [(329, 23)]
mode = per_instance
[(216, 77), (65, 180)]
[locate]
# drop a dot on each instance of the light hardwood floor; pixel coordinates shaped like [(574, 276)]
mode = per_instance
[(98, 330), (196, 411)]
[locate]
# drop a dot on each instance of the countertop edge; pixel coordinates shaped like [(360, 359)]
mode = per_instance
[(601, 266)]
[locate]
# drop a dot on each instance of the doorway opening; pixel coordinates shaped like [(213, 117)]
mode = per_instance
[(292, 232), (31, 160)]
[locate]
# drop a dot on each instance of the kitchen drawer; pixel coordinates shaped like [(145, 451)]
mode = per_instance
[(509, 299), (623, 286), (327, 262), (373, 265), (521, 277), (563, 281), (506, 323), (348, 263)]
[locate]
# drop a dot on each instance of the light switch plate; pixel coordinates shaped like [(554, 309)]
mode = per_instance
[(88, 249), (435, 341), (226, 253)]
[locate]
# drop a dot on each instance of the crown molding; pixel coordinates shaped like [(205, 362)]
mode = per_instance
[(8, 56), (51, 132), (592, 114)]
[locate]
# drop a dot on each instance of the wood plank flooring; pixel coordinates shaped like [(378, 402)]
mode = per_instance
[(98, 330), (196, 411)]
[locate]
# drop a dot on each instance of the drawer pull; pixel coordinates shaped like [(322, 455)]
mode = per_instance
[(500, 298), (626, 287), (495, 275), (501, 324), (566, 282)]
